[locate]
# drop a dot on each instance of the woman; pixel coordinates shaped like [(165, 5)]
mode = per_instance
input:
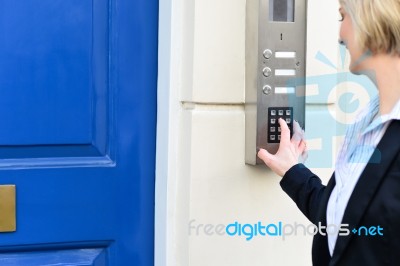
[(364, 191)]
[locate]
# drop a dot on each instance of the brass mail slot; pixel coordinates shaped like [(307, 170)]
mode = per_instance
[(7, 208)]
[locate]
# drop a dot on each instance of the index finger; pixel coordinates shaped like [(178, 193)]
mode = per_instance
[(285, 131)]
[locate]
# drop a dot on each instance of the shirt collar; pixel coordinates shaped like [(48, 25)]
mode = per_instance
[(380, 120)]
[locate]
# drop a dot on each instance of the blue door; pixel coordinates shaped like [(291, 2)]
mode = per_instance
[(77, 130)]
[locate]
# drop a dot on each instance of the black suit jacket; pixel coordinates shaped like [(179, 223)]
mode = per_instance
[(374, 201)]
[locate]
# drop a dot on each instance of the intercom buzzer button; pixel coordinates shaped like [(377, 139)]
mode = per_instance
[(267, 71), (280, 112), (267, 89), (288, 120), (267, 54), (289, 112), (272, 137), (272, 129), (273, 121), (273, 112)]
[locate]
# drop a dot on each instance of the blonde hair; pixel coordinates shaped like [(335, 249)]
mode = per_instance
[(376, 24)]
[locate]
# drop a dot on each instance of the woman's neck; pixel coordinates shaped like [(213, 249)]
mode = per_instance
[(386, 76)]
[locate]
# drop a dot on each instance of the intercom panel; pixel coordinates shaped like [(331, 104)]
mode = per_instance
[(280, 80)]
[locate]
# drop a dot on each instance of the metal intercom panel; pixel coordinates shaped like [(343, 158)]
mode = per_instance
[(281, 66)]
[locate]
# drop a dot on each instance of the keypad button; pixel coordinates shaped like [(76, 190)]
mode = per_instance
[(273, 121), (288, 112), (279, 137), (272, 137), (279, 129), (272, 129), (288, 120), (280, 112), (273, 112)]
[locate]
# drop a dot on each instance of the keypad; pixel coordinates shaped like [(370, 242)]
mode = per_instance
[(274, 129)]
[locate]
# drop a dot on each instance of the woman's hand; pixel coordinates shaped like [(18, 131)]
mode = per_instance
[(290, 152)]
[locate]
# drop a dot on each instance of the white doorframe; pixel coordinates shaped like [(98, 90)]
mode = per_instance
[(169, 69)]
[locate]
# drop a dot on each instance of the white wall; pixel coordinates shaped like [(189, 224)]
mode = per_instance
[(201, 175)]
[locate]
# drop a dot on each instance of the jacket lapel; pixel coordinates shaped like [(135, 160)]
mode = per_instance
[(320, 249), (370, 180)]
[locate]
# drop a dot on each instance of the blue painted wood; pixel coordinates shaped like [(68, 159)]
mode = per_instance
[(78, 85), (45, 59), (78, 257)]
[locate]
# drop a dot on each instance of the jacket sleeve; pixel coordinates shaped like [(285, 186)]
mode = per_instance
[(305, 189)]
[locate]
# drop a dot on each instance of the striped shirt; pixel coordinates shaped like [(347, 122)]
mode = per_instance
[(360, 141)]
